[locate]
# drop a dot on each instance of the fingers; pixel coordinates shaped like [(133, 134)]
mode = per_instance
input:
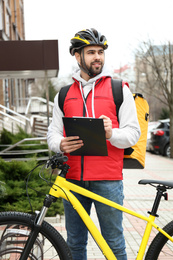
[(107, 126), (70, 144)]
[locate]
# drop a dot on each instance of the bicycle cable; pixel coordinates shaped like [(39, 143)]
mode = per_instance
[(46, 164), (27, 178)]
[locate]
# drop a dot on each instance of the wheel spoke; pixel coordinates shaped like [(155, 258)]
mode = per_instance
[(14, 231)]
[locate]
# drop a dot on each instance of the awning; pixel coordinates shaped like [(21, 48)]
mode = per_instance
[(29, 59)]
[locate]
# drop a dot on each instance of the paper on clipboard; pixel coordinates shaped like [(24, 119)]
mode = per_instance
[(91, 131)]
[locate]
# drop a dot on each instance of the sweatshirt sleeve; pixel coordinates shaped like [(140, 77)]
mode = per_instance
[(128, 132), (55, 130)]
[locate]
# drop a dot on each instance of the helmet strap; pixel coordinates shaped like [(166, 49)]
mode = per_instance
[(83, 65)]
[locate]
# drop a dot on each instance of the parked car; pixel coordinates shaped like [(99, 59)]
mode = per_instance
[(151, 125), (160, 142)]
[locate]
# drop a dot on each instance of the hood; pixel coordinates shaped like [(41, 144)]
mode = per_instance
[(76, 76)]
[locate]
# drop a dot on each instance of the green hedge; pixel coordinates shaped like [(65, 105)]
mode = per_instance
[(13, 188), (10, 138)]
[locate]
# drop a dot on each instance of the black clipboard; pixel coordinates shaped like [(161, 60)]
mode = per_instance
[(91, 131)]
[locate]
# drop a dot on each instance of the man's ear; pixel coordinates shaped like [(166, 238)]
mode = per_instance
[(77, 56)]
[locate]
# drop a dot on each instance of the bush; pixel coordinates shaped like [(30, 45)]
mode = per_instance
[(10, 138), (2, 189), (14, 197), (6, 137)]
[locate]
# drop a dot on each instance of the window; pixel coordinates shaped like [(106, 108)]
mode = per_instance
[(8, 18), (6, 93), (12, 92), (1, 15), (19, 92), (21, 19)]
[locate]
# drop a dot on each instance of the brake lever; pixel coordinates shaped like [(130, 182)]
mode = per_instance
[(56, 161)]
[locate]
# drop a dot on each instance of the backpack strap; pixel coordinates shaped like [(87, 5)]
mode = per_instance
[(62, 95), (117, 91)]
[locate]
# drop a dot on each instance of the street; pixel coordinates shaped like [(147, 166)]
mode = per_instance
[(140, 198)]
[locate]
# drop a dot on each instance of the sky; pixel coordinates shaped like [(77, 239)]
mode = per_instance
[(125, 23)]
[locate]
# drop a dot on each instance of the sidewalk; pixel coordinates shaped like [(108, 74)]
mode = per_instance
[(138, 198)]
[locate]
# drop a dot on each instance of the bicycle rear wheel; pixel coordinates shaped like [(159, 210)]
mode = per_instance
[(161, 247), (15, 228)]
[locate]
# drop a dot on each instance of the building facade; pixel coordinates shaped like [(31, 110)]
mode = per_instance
[(12, 20), (13, 92)]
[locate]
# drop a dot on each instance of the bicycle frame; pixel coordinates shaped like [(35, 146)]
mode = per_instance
[(62, 188)]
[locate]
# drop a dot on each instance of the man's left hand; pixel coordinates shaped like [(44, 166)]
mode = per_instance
[(107, 126)]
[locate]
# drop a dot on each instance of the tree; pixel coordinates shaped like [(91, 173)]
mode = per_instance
[(154, 75), (52, 91), (164, 114)]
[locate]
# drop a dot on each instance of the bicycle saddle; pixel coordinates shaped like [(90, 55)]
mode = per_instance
[(167, 184)]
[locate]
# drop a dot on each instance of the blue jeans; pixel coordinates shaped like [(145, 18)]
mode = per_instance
[(110, 219)]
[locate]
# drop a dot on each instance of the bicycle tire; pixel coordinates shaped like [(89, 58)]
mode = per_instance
[(14, 231), (159, 247)]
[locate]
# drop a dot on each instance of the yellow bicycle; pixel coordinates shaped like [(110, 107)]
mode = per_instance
[(24, 236)]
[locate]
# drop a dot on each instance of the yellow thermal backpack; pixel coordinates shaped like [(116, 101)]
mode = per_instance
[(134, 157)]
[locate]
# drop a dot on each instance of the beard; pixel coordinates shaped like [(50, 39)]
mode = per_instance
[(93, 71)]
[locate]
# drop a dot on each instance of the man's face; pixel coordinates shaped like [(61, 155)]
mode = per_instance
[(94, 59)]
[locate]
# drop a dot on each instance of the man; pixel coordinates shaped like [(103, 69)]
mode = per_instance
[(91, 96)]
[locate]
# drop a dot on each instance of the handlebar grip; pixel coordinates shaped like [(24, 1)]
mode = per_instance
[(61, 158)]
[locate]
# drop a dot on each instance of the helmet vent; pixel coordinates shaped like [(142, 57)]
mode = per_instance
[(95, 32), (102, 38)]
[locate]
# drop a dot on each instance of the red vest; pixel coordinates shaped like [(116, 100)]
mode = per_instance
[(94, 167)]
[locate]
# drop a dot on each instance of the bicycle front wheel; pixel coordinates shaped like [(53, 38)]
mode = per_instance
[(161, 247), (15, 228)]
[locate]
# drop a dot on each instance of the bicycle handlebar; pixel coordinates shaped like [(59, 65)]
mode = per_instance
[(57, 162)]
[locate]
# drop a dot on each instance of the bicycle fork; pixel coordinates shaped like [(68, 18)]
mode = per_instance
[(37, 223)]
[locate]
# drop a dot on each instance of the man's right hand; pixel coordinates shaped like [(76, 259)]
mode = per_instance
[(70, 144)]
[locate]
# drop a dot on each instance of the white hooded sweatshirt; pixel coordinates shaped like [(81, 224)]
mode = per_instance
[(125, 136)]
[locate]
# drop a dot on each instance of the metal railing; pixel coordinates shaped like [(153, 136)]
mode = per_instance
[(16, 114), (11, 120), (20, 142), (38, 99), (25, 121), (10, 153)]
